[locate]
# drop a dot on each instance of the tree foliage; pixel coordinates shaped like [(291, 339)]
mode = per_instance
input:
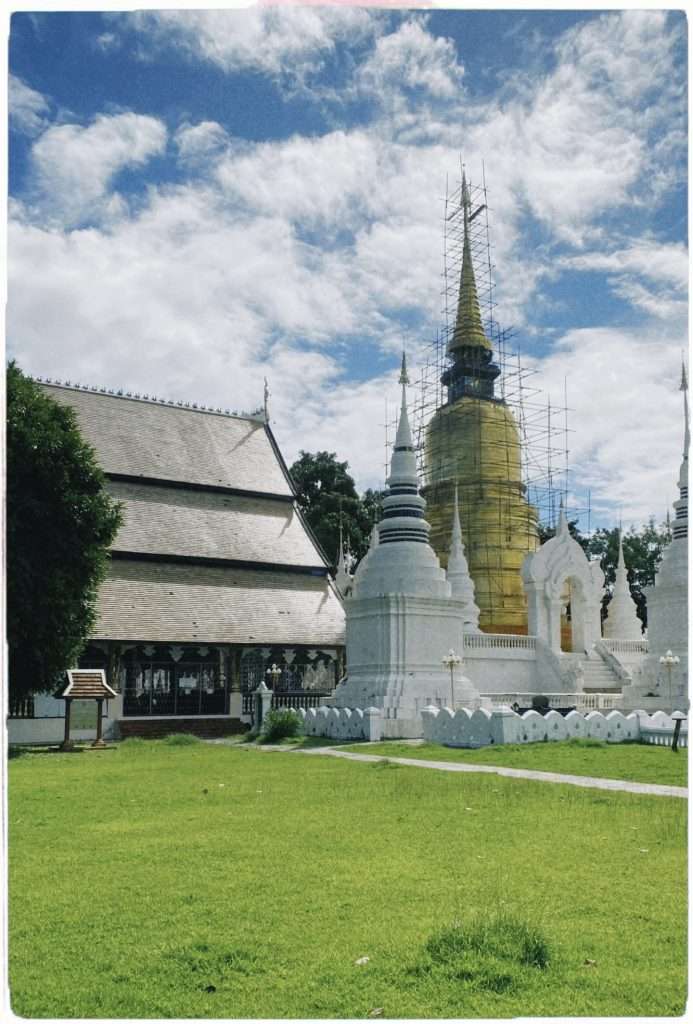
[(326, 495), (60, 522)]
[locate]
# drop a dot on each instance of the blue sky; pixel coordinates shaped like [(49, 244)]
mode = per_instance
[(201, 199)]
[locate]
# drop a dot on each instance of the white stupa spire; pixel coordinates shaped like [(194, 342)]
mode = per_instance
[(681, 505), (403, 507), (343, 580), (461, 583), (622, 622)]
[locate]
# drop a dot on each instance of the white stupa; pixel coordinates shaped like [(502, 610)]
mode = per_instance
[(401, 618), (667, 603), (461, 583), (622, 622)]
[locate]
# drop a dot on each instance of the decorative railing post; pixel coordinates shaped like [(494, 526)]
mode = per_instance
[(263, 702)]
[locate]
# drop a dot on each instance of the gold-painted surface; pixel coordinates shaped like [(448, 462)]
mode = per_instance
[(475, 444), (468, 327)]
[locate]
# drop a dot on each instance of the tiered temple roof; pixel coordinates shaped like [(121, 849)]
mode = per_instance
[(212, 548)]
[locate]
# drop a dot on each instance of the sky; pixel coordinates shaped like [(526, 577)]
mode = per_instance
[(202, 199)]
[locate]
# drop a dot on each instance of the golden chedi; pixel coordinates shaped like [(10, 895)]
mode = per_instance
[(472, 443)]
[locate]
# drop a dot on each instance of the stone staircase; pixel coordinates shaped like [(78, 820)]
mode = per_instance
[(598, 676)]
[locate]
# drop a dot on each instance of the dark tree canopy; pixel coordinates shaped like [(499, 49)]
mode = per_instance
[(642, 551), (326, 494), (60, 522)]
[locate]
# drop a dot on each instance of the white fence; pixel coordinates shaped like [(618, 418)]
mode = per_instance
[(479, 728), (464, 728), (341, 723)]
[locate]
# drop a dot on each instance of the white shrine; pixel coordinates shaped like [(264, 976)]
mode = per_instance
[(403, 614), (622, 622)]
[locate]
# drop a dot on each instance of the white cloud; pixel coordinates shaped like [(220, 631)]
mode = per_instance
[(648, 274), (286, 43), (297, 258), (28, 109), (74, 166), (626, 415), (412, 58), (200, 142)]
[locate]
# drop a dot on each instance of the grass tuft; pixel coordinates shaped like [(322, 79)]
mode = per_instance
[(491, 954), (181, 739)]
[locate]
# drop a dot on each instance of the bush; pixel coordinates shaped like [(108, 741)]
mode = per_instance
[(280, 724), (540, 703)]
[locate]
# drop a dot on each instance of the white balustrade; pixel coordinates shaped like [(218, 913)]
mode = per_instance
[(499, 641), (581, 701), (625, 646)]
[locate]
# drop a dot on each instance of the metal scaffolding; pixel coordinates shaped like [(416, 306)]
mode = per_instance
[(541, 420)]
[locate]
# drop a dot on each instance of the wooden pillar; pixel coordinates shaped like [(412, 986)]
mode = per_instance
[(98, 742), (67, 743)]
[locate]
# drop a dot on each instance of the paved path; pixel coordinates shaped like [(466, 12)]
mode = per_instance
[(586, 781)]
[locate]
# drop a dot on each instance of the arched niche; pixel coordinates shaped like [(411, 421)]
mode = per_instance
[(545, 574)]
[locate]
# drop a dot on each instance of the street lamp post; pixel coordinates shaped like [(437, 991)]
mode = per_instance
[(451, 661), (669, 660)]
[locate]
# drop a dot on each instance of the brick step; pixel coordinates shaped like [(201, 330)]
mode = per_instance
[(205, 728)]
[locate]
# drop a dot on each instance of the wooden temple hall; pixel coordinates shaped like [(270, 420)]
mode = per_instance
[(214, 578)]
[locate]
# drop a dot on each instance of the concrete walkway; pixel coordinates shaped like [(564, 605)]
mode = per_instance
[(586, 781)]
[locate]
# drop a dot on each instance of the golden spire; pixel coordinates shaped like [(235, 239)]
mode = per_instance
[(469, 330)]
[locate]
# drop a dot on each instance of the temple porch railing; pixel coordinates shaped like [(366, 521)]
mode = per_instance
[(289, 699)]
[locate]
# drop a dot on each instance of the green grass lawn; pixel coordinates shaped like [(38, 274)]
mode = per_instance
[(634, 761), (157, 880)]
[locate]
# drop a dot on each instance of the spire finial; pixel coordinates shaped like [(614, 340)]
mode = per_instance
[(469, 331), (562, 520), (687, 430), (404, 376), (265, 400)]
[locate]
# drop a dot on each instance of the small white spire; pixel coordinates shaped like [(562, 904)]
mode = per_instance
[(562, 522), (343, 580), (265, 401), (622, 622), (461, 583)]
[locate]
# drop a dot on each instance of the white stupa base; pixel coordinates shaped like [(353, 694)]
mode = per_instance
[(395, 649)]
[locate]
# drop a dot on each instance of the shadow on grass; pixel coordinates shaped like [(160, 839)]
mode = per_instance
[(15, 752)]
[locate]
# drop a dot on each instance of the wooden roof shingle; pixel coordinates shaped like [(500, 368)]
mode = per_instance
[(163, 602), (204, 524), (164, 442)]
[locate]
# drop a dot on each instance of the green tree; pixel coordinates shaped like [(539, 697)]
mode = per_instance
[(327, 495), (60, 522)]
